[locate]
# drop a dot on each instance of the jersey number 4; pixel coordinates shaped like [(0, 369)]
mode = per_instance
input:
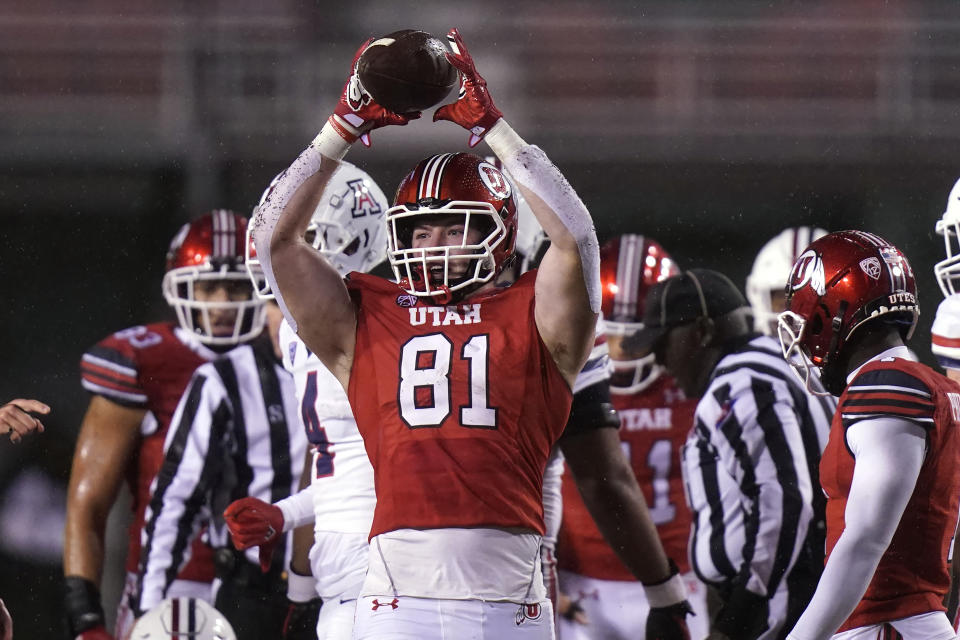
[(425, 388)]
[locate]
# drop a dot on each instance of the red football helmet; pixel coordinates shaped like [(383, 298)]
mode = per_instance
[(840, 282), (629, 265), (474, 191), (212, 247)]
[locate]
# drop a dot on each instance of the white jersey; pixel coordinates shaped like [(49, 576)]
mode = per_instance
[(342, 477)]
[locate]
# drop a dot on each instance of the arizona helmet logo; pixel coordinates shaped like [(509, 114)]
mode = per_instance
[(363, 201), (808, 270), (495, 182), (871, 267)]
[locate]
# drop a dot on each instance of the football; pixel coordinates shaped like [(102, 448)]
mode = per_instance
[(407, 71)]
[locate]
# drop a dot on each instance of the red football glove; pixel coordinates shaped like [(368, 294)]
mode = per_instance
[(474, 109), (96, 633), (253, 522), (357, 114)]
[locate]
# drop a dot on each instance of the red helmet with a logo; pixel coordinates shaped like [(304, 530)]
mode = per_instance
[(213, 248), (629, 266), (452, 188), (840, 282)]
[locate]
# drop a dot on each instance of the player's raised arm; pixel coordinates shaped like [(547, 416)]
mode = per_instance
[(568, 281), (305, 284)]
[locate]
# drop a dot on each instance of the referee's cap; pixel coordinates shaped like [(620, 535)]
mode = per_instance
[(684, 298)]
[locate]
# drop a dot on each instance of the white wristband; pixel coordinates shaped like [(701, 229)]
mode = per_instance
[(330, 143), (665, 594), (301, 588), (503, 140)]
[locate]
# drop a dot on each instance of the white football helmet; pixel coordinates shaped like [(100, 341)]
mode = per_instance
[(771, 270), (347, 227), (182, 619), (948, 270)]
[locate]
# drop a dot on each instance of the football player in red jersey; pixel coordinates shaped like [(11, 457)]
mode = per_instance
[(889, 469), (136, 377), (459, 387), (655, 417)]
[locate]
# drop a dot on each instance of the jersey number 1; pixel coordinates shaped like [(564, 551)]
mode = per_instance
[(425, 385)]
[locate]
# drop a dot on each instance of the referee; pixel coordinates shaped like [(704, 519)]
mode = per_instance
[(750, 464), (235, 433)]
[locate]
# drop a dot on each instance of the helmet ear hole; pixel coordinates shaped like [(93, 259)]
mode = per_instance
[(816, 325)]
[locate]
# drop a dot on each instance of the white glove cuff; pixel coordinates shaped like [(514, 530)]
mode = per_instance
[(665, 594), (330, 143), (301, 588), (503, 140), (297, 509)]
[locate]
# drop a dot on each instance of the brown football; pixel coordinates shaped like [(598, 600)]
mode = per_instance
[(407, 71)]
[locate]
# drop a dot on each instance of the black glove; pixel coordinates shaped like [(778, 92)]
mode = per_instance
[(301, 620), (81, 603), (669, 623), (668, 607), (743, 614)]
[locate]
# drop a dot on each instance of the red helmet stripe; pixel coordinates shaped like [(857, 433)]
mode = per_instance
[(432, 175), (629, 268)]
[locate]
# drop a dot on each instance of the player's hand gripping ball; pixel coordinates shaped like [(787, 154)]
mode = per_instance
[(407, 71)]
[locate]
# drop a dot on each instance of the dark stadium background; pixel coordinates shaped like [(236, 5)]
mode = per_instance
[(709, 126)]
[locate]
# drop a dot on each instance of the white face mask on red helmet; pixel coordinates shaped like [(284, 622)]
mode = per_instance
[(211, 249), (441, 187), (182, 619), (629, 266), (347, 227), (770, 272)]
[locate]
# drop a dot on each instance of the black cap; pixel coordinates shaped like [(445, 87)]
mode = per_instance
[(694, 294)]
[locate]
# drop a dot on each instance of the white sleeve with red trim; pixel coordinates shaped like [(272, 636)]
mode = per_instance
[(946, 332), (875, 505)]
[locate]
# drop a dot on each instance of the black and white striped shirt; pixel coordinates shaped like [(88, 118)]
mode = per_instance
[(750, 468), (235, 433)]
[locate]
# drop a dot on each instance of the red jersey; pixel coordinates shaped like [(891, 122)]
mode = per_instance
[(912, 576), (458, 406), (654, 425), (147, 367)]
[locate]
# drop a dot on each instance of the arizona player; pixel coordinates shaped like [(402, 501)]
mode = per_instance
[(889, 469), (655, 417), (136, 377), (770, 271), (347, 229), (459, 388)]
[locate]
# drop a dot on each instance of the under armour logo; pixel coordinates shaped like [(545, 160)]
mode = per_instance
[(393, 604)]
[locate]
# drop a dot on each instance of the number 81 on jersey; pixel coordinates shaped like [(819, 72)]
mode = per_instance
[(424, 395)]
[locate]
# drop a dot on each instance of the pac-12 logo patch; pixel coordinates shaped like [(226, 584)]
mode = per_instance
[(871, 267), (494, 180), (528, 612), (406, 300)]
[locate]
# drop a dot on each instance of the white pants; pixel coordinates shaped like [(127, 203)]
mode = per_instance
[(408, 618), (617, 610), (178, 589), (339, 560), (925, 626)]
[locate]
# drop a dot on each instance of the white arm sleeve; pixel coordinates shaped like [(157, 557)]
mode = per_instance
[(531, 167), (889, 454), (327, 143), (297, 509)]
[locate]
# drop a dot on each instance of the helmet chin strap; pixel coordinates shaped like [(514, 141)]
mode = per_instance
[(834, 380)]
